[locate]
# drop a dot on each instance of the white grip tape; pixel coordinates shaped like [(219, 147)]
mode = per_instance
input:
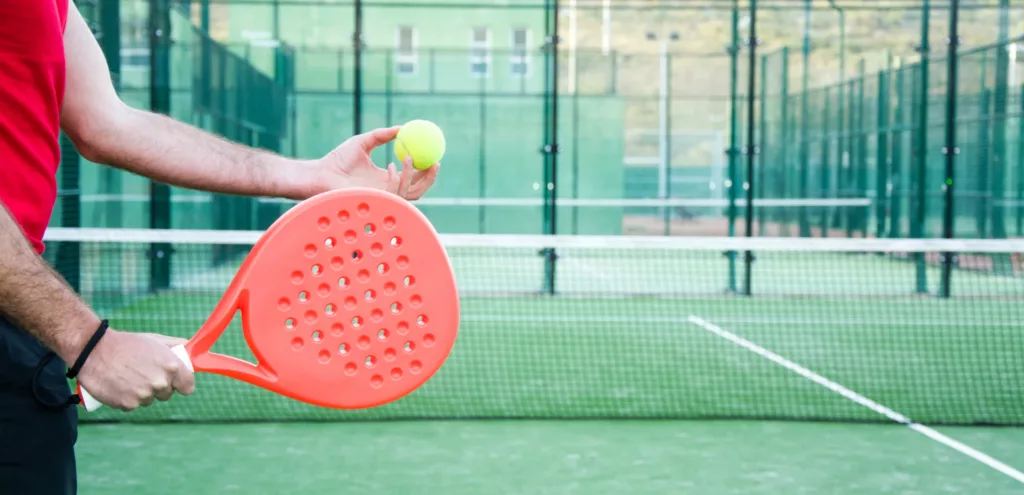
[(91, 404)]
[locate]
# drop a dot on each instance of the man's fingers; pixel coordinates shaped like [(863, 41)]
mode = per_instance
[(406, 179), (423, 182), (184, 381), (377, 137)]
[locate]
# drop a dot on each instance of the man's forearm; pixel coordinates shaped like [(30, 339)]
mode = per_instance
[(164, 149), (37, 299)]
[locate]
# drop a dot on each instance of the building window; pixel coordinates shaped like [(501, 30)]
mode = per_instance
[(480, 52), (405, 50), (520, 60)]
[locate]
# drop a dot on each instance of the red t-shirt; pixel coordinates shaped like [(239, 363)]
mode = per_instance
[(31, 95)]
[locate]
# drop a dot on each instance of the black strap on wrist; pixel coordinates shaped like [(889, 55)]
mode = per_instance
[(73, 372)]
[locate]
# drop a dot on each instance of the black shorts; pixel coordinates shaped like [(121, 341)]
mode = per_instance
[(38, 428)]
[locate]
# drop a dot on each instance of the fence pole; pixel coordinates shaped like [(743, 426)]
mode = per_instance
[(882, 158), (917, 224), (805, 164), (551, 146), (864, 213), (751, 149), (732, 152), (949, 149), (999, 124), (757, 186), (160, 102), (783, 176), (357, 70)]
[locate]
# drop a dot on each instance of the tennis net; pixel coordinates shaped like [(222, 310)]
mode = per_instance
[(632, 327)]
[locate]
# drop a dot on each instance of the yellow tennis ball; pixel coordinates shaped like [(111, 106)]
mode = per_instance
[(421, 139)]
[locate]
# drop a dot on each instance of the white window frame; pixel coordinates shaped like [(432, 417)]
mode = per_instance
[(486, 45), (515, 58), (411, 57)]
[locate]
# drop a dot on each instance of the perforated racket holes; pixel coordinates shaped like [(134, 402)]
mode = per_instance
[(370, 361), (409, 281), (317, 270), (329, 243), (383, 335), (357, 322), (421, 320), (289, 323), (343, 282), (369, 229), (329, 309), (357, 256), (389, 223), (396, 308), (409, 347), (396, 241), (343, 349), (303, 296), (318, 336), (369, 295)]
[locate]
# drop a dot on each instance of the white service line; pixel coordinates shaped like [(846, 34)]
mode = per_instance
[(859, 399)]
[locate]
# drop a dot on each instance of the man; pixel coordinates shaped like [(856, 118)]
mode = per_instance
[(52, 76)]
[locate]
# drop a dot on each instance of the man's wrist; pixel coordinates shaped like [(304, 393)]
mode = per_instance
[(75, 337), (295, 179)]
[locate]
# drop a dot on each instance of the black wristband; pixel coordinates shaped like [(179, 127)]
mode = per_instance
[(87, 349)]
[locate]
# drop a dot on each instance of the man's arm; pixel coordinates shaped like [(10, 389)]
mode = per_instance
[(106, 130), (124, 370), (37, 299)]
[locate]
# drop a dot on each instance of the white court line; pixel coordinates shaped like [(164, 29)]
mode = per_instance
[(859, 399)]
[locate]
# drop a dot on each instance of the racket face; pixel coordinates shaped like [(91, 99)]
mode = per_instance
[(349, 300)]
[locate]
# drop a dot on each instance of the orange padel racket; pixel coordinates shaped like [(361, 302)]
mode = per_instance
[(347, 301)]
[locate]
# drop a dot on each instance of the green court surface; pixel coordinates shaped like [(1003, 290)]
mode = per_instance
[(646, 372), (537, 458)]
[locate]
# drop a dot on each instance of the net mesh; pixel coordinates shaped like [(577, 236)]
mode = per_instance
[(637, 327)]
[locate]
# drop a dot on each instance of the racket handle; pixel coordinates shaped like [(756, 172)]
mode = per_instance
[(91, 404)]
